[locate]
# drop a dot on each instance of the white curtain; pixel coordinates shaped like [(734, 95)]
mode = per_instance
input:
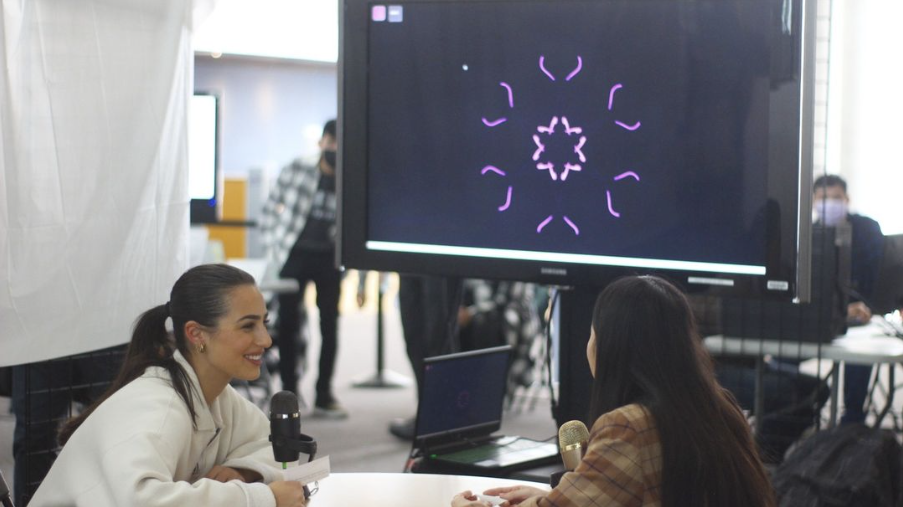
[(94, 187), (865, 107)]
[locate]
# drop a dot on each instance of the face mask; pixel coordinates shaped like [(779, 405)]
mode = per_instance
[(329, 157), (831, 212)]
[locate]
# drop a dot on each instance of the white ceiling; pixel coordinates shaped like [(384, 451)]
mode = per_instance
[(297, 29)]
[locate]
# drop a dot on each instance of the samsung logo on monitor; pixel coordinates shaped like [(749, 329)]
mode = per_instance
[(554, 271)]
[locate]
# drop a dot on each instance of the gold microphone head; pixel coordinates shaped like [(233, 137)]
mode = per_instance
[(572, 435)]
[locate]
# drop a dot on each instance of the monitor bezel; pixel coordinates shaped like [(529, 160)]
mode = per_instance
[(787, 265)]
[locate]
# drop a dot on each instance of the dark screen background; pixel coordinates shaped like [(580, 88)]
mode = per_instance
[(462, 392), (695, 75)]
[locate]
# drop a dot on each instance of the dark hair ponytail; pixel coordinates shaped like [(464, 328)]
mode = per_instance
[(200, 295)]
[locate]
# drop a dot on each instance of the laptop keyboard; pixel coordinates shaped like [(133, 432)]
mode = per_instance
[(505, 452)]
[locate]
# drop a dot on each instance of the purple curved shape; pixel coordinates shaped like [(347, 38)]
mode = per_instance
[(542, 66), (507, 201), (495, 122), (570, 167), (543, 224), (577, 70), (628, 127), (573, 225), (579, 151), (539, 147), (610, 209), (626, 174), (493, 169), (568, 129), (510, 94), (611, 94), (548, 166), (550, 129)]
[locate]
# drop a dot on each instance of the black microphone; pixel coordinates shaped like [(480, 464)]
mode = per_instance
[(285, 425), (285, 431), (4, 492)]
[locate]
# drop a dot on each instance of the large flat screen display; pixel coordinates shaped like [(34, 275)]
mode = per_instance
[(557, 140)]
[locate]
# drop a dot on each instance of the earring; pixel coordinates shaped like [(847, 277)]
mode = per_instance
[(202, 348)]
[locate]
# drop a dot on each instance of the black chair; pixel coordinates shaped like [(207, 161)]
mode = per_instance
[(888, 292)]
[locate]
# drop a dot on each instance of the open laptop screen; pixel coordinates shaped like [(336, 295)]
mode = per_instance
[(462, 394)]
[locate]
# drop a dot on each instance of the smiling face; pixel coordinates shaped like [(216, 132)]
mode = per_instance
[(234, 349)]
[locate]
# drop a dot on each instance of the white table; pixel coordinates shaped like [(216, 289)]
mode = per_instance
[(401, 490), (861, 345)]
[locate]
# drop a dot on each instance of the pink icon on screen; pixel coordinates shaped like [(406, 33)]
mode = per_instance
[(378, 13)]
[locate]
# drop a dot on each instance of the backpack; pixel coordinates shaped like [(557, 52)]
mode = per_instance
[(847, 466)]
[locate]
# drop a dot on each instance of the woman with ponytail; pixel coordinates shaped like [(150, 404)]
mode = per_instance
[(170, 431), (665, 434)]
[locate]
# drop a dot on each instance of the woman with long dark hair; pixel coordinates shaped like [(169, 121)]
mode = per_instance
[(665, 433), (170, 431)]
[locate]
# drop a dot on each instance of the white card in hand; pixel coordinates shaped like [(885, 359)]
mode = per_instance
[(494, 500), (308, 472)]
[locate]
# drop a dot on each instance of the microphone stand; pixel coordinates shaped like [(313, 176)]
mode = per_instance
[(304, 444)]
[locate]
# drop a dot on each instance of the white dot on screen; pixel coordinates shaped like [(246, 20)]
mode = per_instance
[(465, 67)]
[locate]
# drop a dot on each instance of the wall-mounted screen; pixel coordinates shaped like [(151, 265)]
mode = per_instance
[(559, 140)]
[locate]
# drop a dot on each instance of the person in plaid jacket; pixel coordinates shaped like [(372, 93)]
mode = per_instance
[(298, 227), (665, 434)]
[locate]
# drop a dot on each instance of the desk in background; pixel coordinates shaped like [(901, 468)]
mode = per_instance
[(867, 344), (401, 490)]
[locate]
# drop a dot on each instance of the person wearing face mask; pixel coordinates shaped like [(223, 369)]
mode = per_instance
[(299, 230), (831, 208)]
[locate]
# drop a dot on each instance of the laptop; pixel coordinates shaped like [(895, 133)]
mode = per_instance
[(461, 406)]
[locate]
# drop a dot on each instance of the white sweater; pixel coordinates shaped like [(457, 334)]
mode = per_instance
[(139, 449)]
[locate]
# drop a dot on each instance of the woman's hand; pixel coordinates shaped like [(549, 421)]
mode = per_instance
[(288, 493), (225, 474), (468, 499), (858, 313), (514, 495)]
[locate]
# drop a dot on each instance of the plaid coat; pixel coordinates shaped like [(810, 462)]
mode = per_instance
[(622, 466), (285, 212)]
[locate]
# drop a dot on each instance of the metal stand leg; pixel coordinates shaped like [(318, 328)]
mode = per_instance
[(383, 378), (891, 388), (835, 387), (759, 402)]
